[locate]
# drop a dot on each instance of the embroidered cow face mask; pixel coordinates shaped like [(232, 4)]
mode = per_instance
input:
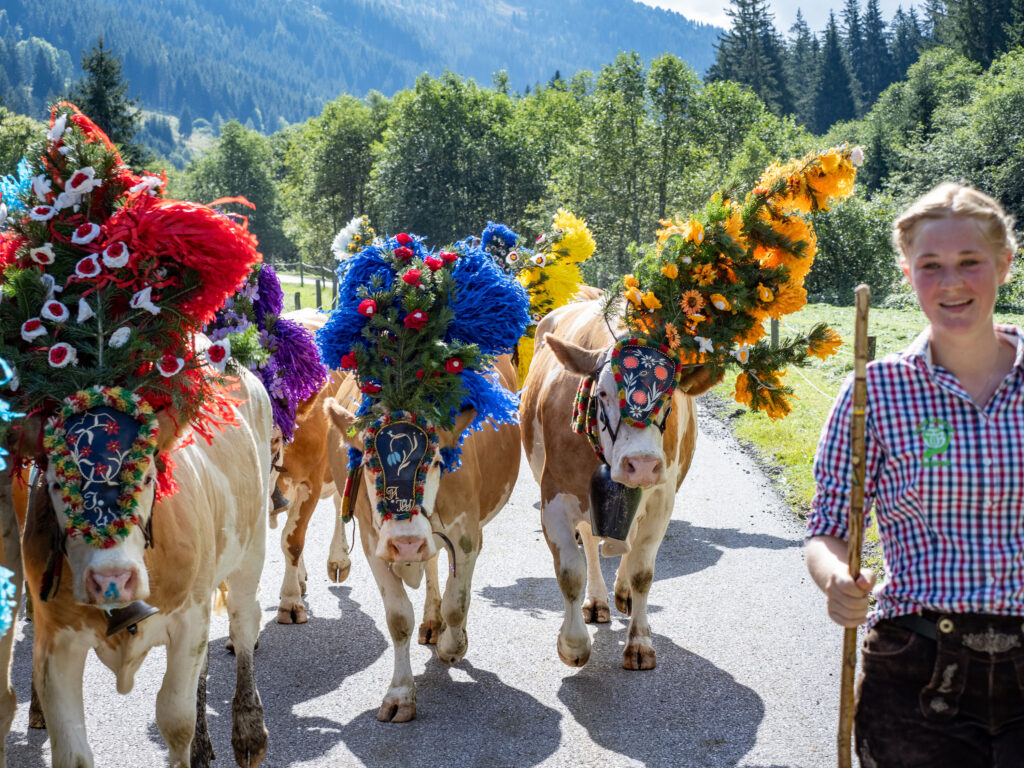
[(100, 443), (646, 376), (400, 449)]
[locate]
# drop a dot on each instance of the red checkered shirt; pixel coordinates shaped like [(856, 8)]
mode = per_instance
[(946, 480)]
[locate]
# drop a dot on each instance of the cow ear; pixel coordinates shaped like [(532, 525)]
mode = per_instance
[(27, 438), (343, 419), (697, 381), (448, 438), (170, 430), (574, 359)]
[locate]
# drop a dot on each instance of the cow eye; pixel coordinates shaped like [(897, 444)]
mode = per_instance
[(54, 486), (602, 394), (149, 480)]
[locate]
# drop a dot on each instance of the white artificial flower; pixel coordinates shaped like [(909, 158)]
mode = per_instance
[(57, 130), (857, 157), (62, 355), (83, 181), (43, 254), (116, 255), (144, 300), (3, 214), (120, 337), (55, 311), (705, 344), (148, 184), (88, 266), (742, 354), (32, 328), (218, 353), (50, 286), (344, 238), (42, 213), (168, 365), (540, 259), (85, 233), (66, 200), (41, 186), (84, 310)]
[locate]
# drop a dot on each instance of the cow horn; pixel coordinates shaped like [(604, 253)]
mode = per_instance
[(127, 617)]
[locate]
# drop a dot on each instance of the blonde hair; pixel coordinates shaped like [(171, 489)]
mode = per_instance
[(948, 200)]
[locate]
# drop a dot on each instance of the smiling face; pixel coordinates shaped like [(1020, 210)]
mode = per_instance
[(956, 273)]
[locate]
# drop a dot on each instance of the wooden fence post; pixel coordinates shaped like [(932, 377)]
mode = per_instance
[(871, 348), (334, 290), (775, 334), (301, 275), (298, 300), (319, 297)]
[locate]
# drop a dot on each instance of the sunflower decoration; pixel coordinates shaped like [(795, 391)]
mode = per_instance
[(715, 278), (421, 330), (105, 282), (549, 271)]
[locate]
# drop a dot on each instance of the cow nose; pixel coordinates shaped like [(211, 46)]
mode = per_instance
[(641, 471), (407, 549), (112, 586)]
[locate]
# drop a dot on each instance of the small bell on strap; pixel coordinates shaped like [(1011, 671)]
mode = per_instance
[(128, 617)]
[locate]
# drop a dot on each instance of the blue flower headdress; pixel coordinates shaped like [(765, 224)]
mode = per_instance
[(421, 330)]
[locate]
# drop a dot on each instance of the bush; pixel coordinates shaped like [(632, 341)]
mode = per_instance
[(854, 247)]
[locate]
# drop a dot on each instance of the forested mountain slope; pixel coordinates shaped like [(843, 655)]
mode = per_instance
[(280, 60)]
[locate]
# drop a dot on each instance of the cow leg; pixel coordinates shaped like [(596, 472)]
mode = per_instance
[(11, 560), (399, 705), (650, 530), (248, 732), (338, 561), (291, 609), (202, 747), (430, 627), (176, 709), (452, 644), (58, 667), (559, 517), (595, 606)]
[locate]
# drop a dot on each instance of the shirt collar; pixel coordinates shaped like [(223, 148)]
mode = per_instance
[(919, 351)]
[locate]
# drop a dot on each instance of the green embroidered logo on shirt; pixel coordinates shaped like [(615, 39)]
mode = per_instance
[(936, 434)]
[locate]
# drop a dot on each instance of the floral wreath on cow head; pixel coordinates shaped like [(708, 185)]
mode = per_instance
[(715, 278), (420, 330), (105, 284)]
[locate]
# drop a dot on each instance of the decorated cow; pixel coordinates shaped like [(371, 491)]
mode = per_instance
[(305, 478), (154, 467), (608, 415), (419, 331)]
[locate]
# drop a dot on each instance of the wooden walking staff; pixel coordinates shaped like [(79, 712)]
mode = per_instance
[(857, 459)]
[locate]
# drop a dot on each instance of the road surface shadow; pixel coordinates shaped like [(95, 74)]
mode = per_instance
[(685, 550), (685, 712), (480, 722), (294, 663), (35, 749)]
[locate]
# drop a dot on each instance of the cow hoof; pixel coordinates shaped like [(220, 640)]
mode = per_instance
[(35, 712), (624, 602), (429, 632), (574, 658), (596, 612), (637, 656), (294, 615), (250, 749), (337, 572), (202, 753), (452, 646), (397, 711), (230, 646)]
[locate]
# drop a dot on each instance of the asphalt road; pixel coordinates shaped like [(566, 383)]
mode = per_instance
[(747, 669)]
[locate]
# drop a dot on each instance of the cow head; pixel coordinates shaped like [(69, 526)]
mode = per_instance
[(101, 450), (625, 401), (401, 472)]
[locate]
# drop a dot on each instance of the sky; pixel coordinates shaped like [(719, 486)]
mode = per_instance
[(815, 13)]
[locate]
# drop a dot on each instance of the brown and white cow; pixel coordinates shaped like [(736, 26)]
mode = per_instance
[(575, 341), (456, 506), (305, 479), (211, 532)]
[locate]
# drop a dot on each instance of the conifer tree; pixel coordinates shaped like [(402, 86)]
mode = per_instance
[(979, 28), (751, 52), (102, 95), (833, 100), (802, 66), (877, 72), (907, 41), (853, 47)]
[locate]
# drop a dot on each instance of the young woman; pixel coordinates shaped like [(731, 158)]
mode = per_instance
[(943, 658)]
